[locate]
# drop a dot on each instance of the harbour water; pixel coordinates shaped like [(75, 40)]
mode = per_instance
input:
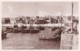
[(29, 41)]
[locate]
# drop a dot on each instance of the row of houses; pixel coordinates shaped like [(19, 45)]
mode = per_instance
[(38, 20)]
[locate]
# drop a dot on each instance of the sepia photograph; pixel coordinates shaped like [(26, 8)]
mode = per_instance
[(40, 25)]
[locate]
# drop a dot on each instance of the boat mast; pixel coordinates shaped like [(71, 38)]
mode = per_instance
[(72, 19), (61, 18)]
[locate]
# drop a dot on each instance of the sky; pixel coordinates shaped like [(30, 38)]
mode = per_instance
[(14, 9)]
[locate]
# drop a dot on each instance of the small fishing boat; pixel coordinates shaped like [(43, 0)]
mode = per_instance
[(16, 29), (53, 29), (9, 29), (40, 27), (25, 30), (50, 38), (34, 31)]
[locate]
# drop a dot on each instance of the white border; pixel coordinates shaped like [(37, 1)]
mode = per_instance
[(36, 1), (40, 0)]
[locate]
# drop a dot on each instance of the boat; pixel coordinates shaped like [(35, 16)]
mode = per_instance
[(50, 38), (34, 31), (56, 36), (41, 28), (16, 29), (25, 30), (9, 29), (53, 29)]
